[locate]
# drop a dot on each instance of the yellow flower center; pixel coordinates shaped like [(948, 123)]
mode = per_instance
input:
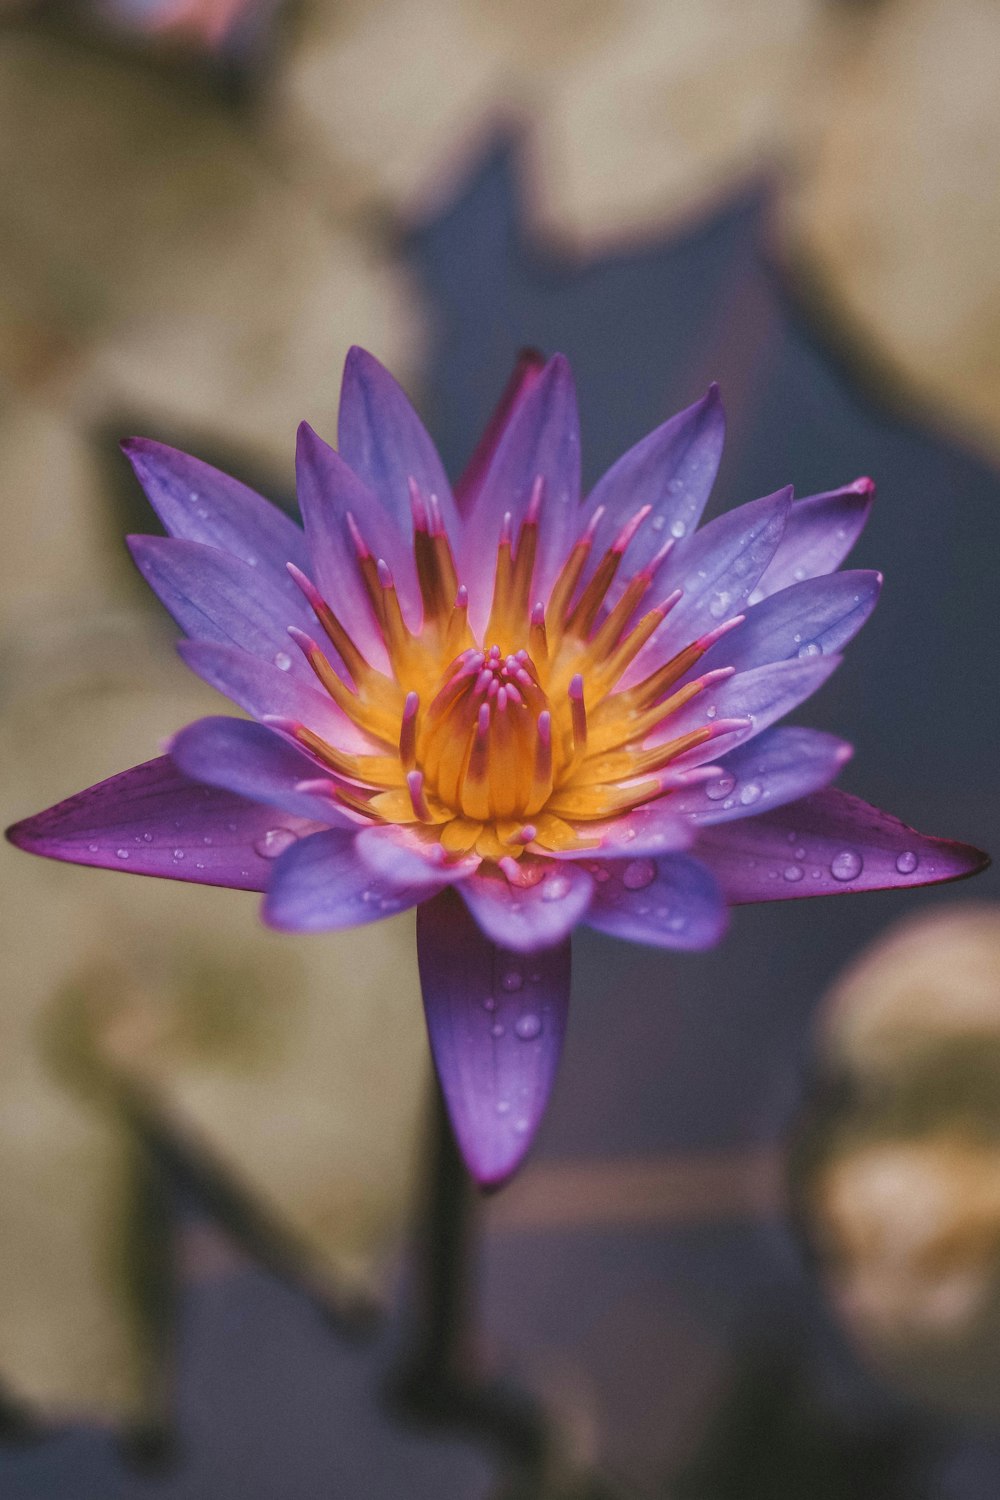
[(520, 744)]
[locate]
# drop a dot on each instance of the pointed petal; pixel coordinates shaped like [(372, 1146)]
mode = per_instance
[(526, 371), (321, 884), (542, 438), (153, 820), (820, 532), (814, 618), (256, 763), (762, 695), (383, 440), (201, 504), (398, 853), (328, 492), (716, 569), (216, 597), (496, 1025), (672, 902), (672, 470), (826, 845), (526, 918), (266, 691), (779, 766)]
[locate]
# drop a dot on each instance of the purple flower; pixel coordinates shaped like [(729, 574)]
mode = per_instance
[(527, 711)]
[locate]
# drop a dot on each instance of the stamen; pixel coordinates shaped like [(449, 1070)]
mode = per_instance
[(342, 643), (578, 712), (415, 786), (408, 731)]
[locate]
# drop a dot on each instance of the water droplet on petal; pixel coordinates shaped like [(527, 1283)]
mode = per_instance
[(800, 853), (846, 865), (601, 875), (93, 848), (799, 574), (716, 790), (147, 838), (503, 1106), (521, 1126), (556, 887), (812, 648), (638, 874), (275, 841), (718, 606), (793, 872), (907, 862), (282, 661), (711, 711), (658, 523), (750, 793), (178, 854), (528, 1027), (678, 529), (489, 1003), (512, 980), (497, 1029)]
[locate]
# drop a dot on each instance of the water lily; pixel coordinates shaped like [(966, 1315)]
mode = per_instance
[(511, 708)]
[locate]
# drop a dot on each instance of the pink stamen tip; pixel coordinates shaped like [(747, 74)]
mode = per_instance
[(321, 786), (502, 699), (718, 674), (415, 786), (493, 688), (360, 545), (545, 727), (591, 527), (535, 503), (494, 653), (720, 630), (655, 563), (728, 726), (417, 506), (434, 516), (290, 727), (670, 602), (507, 529), (630, 528), (384, 573), (513, 694), (410, 706), (521, 656), (538, 614), (462, 597), (305, 643), (526, 835), (482, 682), (576, 688), (483, 722), (508, 865), (524, 677)]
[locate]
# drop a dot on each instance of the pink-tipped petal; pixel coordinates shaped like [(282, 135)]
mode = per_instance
[(780, 766), (526, 371), (383, 440), (321, 885), (256, 763), (814, 618), (201, 504), (153, 820), (527, 917), (820, 532), (670, 902), (828, 844), (266, 691), (762, 696), (214, 596), (496, 1022), (541, 439), (672, 471)]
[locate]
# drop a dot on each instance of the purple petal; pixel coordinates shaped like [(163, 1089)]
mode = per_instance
[(526, 371), (201, 504), (152, 820), (826, 845), (658, 827), (762, 695), (814, 618), (216, 597), (399, 854), (526, 918), (779, 766), (716, 569), (496, 1024), (383, 440), (267, 692), (328, 492), (321, 884), (820, 532), (542, 439), (672, 902), (256, 763), (672, 470)]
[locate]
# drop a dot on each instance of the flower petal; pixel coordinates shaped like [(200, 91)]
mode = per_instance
[(397, 852), (826, 845), (762, 695), (542, 439), (321, 884), (266, 691), (671, 902), (328, 492), (817, 617), (672, 470), (526, 917), (214, 596), (257, 763), (496, 1025), (201, 504), (383, 440), (526, 371), (153, 820), (779, 766), (716, 570), (820, 532)]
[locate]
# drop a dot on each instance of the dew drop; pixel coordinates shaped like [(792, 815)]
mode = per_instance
[(503, 1106), (497, 1029), (528, 1027), (751, 793), (147, 838), (512, 980), (799, 574), (231, 827), (282, 661), (275, 841), (711, 711), (716, 790), (800, 853), (556, 887), (489, 1003), (793, 872), (678, 529), (601, 875), (122, 853), (194, 497), (658, 523), (812, 648), (521, 1126), (178, 854), (717, 608), (846, 865), (93, 848), (638, 874), (907, 862)]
